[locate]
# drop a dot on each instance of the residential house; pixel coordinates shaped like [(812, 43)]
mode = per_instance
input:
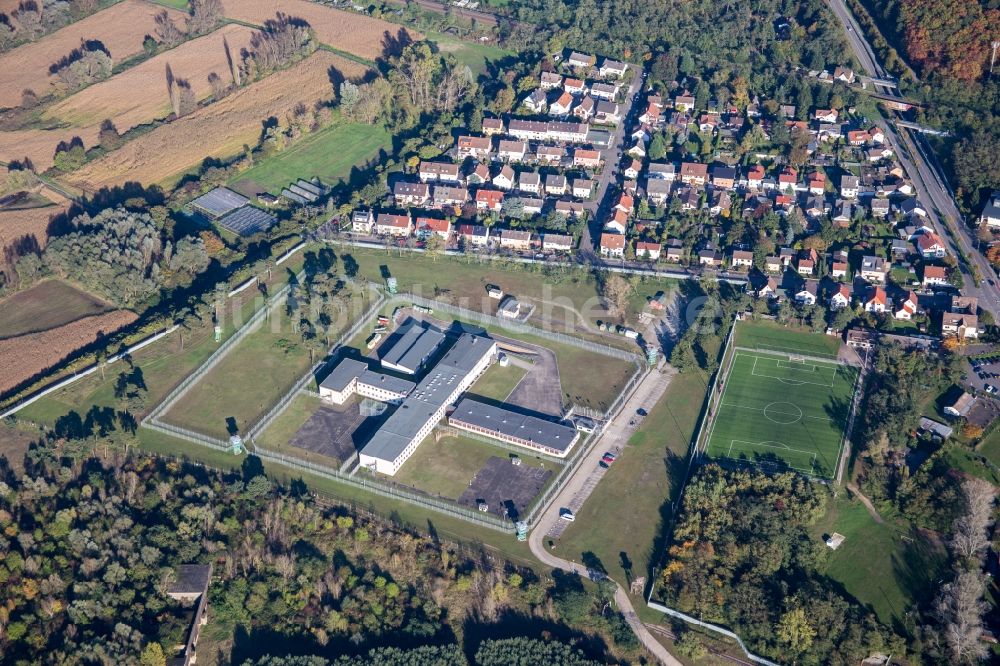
[(604, 91), (647, 250), (873, 269), (550, 154), (968, 304), (690, 199), (772, 264), (844, 214), (694, 173), (474, 234), (991, 212), (709, 122), (787, 179), (805, 266), (638, 150), (557, 243), (857, 137), (537, 101), (755, 177), (912, 208), (612, 245), (410, 194), (962, 405), (489, 200), (607, 113), (580, 60), (840, 297), (817, 183), (512, 151), (661, 171), (878, 154), (589, 159), (532, 205), (723, 177), (574, 86), (931, 246), (612, 69), (505, 179), (719, 202), (709, 257), (625, 203), (617, 223), (658, 191), (476, 147), (387, 224), (741, 259), (439, 171), (426, 227), (879, 207), (633, 169), (551, 80), (492, 126), (555, 184), (844, 74), (675, 250), (684, 102), (764, 287), (450, 196), (582, 188), (808, 292), (849, 186), (529, 181), (960, 325), (585, 109), (899, 249), (479, 175), (935, 276), (514, 239), (876, 300), (362, 221), (905, 306), (838, 269), (826, 115), (653, 115), (561, 106)]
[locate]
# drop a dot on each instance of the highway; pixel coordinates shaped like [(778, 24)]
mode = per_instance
[(928, 180)]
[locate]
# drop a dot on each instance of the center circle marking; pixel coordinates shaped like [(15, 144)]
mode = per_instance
[(782, 413)]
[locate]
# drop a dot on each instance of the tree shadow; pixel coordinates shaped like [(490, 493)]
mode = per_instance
[(393, 45)]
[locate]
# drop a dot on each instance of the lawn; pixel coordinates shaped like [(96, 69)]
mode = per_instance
[(48, 304), (467, 53), (972, 463), (445, 467), (328, 154), (622, 525), (284, 427), (497, 382), (781, 412), (775, 337), (889, 567), (990, 446)]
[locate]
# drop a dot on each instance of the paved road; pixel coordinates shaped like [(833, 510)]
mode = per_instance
[(646, 393), (928, 180), (613, 157)]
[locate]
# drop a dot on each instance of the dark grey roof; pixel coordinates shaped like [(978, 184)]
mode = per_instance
[(219, 201), (428, 397), (387, 382), (413, 347), (248, 221), (346, 372), (191, 579), (513, 424)]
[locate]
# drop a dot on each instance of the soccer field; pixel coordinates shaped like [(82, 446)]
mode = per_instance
[(783, 411)]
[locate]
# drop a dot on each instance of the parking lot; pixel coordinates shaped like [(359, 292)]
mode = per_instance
[(501, 484), (984, 374)]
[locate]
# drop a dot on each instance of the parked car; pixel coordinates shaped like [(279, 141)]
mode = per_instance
[(567, 515)]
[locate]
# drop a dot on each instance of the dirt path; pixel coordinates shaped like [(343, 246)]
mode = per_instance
[(867, 502)]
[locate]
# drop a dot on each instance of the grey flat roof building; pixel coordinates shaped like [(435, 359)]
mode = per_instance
[(346, 372), (514, 426), (247, 221), (426, 402), (387, 382), (413, 348)]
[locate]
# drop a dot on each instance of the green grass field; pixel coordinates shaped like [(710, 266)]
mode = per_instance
[(446, 467), (790, 413), (497, 382), (467, 53), (775, 337), (623, 522), (329, 154), (46, 305)]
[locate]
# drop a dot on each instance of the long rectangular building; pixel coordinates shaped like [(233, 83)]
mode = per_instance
[(351, 376), (425, 406), (548, 437), (536, 130), (415, 345)]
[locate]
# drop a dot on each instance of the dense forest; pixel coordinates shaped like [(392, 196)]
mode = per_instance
[(90, 545), (742, 556)]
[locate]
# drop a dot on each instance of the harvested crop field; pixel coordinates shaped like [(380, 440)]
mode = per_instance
[(121, 28), (139, 95), (218, 130), (25, 356), (356, 34), (15, 224), (48, 304), (39, 146)]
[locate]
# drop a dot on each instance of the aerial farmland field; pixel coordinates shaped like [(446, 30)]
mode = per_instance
[(121, 28), (218, 130), (352, 33)]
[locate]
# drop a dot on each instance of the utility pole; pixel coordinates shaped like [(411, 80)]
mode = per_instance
[(993, 58)]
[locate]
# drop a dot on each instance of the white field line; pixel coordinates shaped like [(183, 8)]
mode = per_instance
[(761, 409), (787, 380), (773, 445)]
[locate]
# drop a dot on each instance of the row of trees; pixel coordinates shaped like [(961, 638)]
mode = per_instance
[(31, 19)]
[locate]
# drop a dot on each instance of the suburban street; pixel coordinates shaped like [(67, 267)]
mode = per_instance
[(616, 433), (930, 185), (613, 156)]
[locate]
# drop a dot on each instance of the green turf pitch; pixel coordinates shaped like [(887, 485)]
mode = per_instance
[(784, 412)]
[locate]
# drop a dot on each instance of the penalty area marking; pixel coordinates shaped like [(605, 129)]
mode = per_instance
[(779, 446), (789, 380)]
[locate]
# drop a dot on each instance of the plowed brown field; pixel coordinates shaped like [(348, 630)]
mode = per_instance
[(31, 221), (217, 130), (139, 94), (25, 356), (346, 31), (121, 28), (40, 145)]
